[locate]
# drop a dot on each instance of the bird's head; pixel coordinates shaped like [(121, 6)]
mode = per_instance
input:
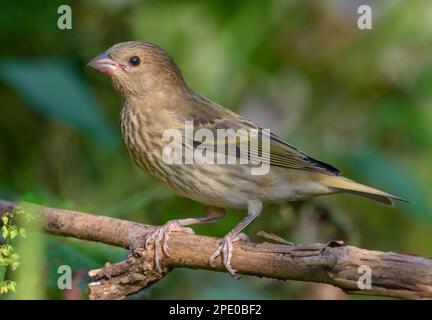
[(138, 68)]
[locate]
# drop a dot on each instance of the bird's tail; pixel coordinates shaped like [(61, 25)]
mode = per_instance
[(341, 184)]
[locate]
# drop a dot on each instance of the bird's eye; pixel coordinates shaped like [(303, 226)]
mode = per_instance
[(134, 60)]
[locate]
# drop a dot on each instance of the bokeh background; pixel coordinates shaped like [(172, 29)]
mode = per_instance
[(360, 99)]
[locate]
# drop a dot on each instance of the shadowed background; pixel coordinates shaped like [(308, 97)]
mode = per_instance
[(359, 99)]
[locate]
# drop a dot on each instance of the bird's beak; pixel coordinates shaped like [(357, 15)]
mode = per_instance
[(104, 64)]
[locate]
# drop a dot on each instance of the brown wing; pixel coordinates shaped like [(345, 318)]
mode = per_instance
[(212, 116)]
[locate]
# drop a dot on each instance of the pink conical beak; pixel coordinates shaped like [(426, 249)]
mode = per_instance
[(104, 64)]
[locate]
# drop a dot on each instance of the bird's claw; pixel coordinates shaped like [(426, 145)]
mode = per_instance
[(225, 250), (159, 240)]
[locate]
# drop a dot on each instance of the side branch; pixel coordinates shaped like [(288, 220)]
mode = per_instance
[(395, 275)]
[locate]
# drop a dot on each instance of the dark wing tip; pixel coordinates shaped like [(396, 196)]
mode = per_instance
[(402, 200), (316, 164), (325, 166)]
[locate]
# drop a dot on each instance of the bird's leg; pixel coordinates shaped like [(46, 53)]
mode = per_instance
[(159, 238), (226, 247)]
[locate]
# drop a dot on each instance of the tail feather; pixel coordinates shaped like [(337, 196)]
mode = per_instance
[(341, 184)]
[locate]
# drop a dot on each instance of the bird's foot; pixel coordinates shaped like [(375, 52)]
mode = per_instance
[(159, 239), (225, 250)]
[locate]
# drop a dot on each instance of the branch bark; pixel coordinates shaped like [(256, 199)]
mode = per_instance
[(393, 274)]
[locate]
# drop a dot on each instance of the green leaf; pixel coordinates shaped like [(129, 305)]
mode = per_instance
[(14, 265), (54, 89), (13, 232), (6, 250), (12, 286), (5, 232), (5, 219)]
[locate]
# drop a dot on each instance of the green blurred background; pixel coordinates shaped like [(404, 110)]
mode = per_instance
[(360, 99)]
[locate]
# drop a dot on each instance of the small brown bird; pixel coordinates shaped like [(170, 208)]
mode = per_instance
[(155, 98)]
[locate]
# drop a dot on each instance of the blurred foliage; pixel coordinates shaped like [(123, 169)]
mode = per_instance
[(360, 99)]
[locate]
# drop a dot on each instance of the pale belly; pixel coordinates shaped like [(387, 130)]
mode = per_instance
[(233, 186)]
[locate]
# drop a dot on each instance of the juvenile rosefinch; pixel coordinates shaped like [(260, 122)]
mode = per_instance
[(155, 98)]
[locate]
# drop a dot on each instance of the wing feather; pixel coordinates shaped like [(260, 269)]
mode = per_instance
[(282, 154)]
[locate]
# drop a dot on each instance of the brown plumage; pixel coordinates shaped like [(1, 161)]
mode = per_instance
[(155, 98)]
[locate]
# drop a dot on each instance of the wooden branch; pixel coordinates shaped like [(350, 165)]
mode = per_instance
[(394, 275)]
